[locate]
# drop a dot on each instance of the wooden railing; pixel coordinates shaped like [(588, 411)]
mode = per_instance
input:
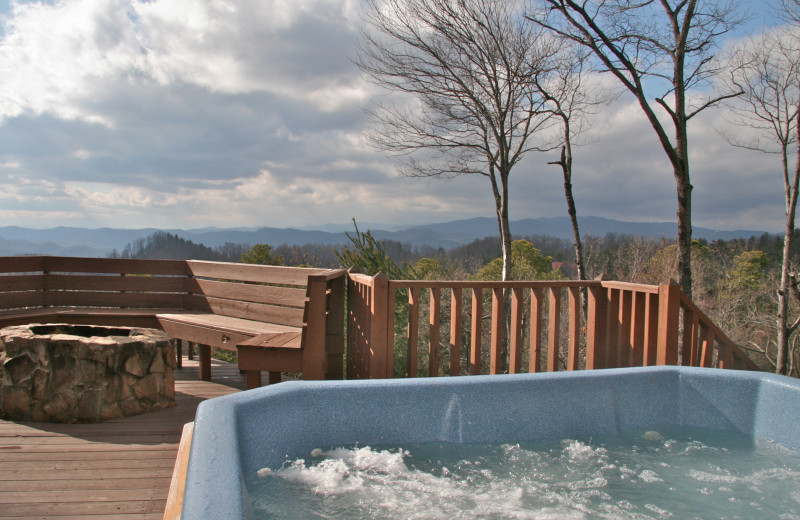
[(474, 327)]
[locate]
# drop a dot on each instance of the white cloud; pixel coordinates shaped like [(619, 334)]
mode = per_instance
[(56, 58), (186, 113)]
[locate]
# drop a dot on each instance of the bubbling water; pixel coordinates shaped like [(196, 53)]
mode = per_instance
[(639, 475)]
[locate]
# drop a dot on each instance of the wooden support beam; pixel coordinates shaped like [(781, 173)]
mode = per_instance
[(668, 318), (596, 327), (205, 362)]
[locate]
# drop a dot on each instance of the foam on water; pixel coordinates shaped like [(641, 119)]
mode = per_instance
[(678, 474)]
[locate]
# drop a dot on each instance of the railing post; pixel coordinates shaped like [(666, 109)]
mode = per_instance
[(379, 354), (315, 357), (358, 325), (596, 326), (334, 329), (669, 303)]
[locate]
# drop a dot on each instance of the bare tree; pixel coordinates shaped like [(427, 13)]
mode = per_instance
[(468, 67), (767, 70), (571, 96), (652, 46)]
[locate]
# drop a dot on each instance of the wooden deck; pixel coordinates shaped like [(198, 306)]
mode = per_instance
[(115, 469)]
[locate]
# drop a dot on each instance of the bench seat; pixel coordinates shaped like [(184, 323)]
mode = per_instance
[(214, 330)]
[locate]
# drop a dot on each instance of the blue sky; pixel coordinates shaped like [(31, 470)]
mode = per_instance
[(189, 113)]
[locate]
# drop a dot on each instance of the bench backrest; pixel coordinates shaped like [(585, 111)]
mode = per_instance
[(46, 281), (266, 293), (258, 292)]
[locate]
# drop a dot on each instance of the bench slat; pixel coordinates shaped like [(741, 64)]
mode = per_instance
[(285, 296), (20, 299), (21, 264), (142, 284), (290, 316), (271, 274), (64, 264), (275, 340), (21, 282), (113, 299), (217, 331), (249, 327)]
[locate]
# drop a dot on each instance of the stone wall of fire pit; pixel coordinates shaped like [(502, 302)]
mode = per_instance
[(76, 373)]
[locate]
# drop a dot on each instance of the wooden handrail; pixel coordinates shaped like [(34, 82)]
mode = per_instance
[(626, 324), (704, 332)]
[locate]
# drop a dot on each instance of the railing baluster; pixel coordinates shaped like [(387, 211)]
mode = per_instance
[(433, 334), (456, 309), (637, 329), (380, 360), (691, 338), (707, 350), (537, 302), (650, 330), (626, 331), (413, 330), (476, 330), (515, 341), (495, 361), (574, 327), (390, 332), (553, 329), (612, 354), (726, 357)]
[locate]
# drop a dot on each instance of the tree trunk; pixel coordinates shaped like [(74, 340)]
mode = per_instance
[(782, 357), (682, 179), (784, 329), (505, 234), (685, 234), (566, 165), (501, 210)]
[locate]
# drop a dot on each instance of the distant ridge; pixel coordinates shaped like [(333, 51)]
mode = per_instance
[(73, 241)]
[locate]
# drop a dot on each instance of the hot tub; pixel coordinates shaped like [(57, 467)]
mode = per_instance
[(239, 434)]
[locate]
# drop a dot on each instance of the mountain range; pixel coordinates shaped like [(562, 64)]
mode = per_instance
[(73, 241)]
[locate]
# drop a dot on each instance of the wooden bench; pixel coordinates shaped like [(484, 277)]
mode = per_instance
[(212, 304)]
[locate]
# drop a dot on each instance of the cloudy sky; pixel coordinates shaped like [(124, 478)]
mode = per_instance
[(194, 113)]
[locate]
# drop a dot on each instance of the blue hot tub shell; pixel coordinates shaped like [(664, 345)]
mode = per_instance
[(238, 434)]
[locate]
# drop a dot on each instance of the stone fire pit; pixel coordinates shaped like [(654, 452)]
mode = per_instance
[(74, 373)]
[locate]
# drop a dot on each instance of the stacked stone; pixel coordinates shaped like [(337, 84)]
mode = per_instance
[(49, 373)]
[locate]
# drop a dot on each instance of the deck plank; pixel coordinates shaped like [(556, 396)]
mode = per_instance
[(116, 469)]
